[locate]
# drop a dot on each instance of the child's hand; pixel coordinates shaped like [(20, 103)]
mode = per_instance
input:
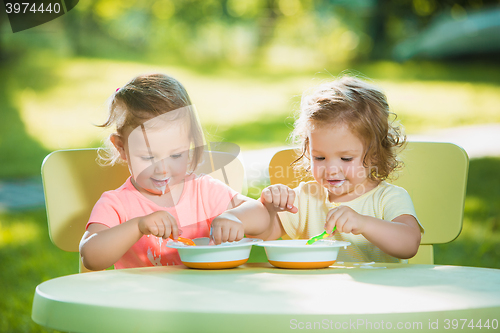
[(160, 224), (280, 196), (226, 228), (346, 220)]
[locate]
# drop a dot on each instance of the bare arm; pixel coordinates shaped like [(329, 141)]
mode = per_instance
[(245, 216), (399, 238), (259, 218), (102, 246)]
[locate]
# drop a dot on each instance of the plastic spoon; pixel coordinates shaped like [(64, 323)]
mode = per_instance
[(323, 235), (186, 241)]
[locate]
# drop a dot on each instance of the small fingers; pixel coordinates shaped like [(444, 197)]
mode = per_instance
[(240, 234), (340, 218), (266, 196), (161, 229), (329, 225), (225, 233), (215, 235), (167, 226), (236, 233), (276, 196), (232, 233), (174, 228), (280, 196), (332, 220), (291, 199), (283, 203), (342, 224), (331, 212), (153, 229)]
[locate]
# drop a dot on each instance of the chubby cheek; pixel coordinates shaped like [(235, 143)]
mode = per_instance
[(178, 168), (318, 172), (357, 173), (351, 171), (139, 166)]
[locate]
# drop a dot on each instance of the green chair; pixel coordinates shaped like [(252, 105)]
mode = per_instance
[(73, 182), (435, 176)]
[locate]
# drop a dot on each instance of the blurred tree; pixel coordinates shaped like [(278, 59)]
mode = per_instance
[(3, 22), (249, 32), (393, 21)]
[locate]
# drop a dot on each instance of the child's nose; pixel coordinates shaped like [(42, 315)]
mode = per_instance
[(332, 169), (161, 167)]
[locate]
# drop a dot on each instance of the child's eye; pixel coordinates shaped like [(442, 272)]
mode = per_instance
[(317, 158), (346, 159), (147, 158), (176, 155)]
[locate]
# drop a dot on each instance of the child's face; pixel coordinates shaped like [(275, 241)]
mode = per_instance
[(337, 161), (157, 154)]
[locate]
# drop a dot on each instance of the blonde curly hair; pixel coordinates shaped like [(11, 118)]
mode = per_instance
[(364, 109)]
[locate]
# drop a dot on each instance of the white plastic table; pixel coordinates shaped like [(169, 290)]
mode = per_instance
[(260, 298)]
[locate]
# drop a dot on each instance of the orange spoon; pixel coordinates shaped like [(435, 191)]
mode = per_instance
[(186, 241)]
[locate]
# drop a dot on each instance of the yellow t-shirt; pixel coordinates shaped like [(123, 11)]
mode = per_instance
[(385, 202)]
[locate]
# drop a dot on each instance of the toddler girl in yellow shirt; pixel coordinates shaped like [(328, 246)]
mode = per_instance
[(348, 145)]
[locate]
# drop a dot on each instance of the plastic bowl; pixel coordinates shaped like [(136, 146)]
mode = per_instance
[(296, 254), (204, 256)]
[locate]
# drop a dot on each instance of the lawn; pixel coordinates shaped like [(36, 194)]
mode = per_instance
[(60, 105), (57, 107)]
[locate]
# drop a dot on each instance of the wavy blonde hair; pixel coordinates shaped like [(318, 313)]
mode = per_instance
[(143, 98), (364, 109)]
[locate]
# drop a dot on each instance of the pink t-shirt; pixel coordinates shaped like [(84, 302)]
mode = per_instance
[(203, 198)]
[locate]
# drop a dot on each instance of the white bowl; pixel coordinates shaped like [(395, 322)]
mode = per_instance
[(204, 256), (296, 254)]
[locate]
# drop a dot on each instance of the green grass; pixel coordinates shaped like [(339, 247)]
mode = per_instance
[(28, 258), (479, 241), (51, 102)]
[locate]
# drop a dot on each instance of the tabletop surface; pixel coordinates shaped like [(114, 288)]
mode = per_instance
[(260, 297)]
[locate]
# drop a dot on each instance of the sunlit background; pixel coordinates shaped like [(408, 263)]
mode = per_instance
[(245, 64)]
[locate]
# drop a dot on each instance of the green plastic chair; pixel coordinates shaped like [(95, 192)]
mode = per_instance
[(73, 182), (435, 176)]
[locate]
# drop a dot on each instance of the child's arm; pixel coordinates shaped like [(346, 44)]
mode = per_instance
[(399, 238), (102, 246), (257, 218), (247, 216)]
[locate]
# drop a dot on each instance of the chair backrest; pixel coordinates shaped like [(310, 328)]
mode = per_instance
[(435, 176), (73, 182)]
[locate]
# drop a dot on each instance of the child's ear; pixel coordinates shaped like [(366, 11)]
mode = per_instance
[(118, 142)]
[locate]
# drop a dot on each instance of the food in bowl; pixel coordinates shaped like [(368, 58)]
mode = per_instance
[(205, 256), (296, 254)]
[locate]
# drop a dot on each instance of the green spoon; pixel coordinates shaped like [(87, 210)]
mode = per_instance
[(323, 235)]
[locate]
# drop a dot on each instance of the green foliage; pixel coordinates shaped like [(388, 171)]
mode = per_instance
[(15, 144)]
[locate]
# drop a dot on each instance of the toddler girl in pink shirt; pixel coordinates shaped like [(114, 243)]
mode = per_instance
[(158, 136)]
